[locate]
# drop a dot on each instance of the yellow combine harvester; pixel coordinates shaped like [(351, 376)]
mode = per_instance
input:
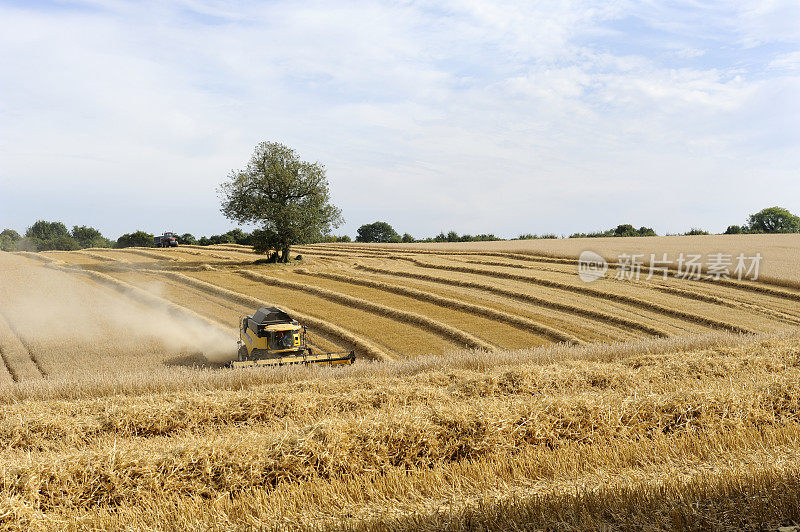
[(270, 337)]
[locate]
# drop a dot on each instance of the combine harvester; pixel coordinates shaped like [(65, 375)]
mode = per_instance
[(270, 337)]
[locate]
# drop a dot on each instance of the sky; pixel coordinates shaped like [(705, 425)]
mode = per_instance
[(467, 115)]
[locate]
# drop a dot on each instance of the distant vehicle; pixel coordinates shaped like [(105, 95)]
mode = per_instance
[(167, 240)]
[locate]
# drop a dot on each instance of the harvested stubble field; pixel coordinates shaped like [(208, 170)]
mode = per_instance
[(494, 390)]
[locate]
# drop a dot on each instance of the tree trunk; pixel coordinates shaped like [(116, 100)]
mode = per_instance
[(285, 253)]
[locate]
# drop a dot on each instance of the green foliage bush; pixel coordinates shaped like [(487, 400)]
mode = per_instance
[(330, 239), (623, 230), (452, 236), (43, 230), (136, 239), (377, 232), (773, 220), (59, 243), (734, 230), (89, 237), (45, 236), (530, 236), (11, 234), (7, 244), (696, 231)]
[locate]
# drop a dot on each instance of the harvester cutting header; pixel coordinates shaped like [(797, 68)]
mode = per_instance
[(270, 337)]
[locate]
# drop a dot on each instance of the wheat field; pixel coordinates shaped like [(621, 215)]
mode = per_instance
[(493, 390)]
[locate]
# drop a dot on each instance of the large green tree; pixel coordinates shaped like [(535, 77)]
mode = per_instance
[(773, 220), (7, 244), (8, 240), (89, 237), (43, 230), (137, 239), (287, 197), (377, 232), (11, 234)]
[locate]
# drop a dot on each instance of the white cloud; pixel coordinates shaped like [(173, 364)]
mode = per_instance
[(786, 62), (768, 21), (476, 116)]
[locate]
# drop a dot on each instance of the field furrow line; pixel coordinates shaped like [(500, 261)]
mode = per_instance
[(695, 318), (758, 287), (680, 292), (37, 257), (741, 305), (211, 253), (362, 345), (151, 254), (763, 285), (224, 303), (141, 253), (352, 252), (530, 257), (511, 265), (99, 256), (451, 303), (316, 253), (221, 247), (237, 249), (601, 317), (18, 357), (208, 251), (406, 251), (442, 329), (740, 286), (10, 373)]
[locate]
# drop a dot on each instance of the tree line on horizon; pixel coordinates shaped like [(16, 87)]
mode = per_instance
[(769, 220), (45, 235)]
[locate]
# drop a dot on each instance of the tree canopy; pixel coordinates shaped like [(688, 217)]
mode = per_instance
[(11, 234), (136, 239), (773, 220), (43, 230), (7, 243), (287, 197), (733, 230), (89, 237), (44, 235), (377, 232), (60, 243), (622, 230)]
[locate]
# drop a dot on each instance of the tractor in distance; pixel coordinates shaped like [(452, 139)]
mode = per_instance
[(167, 240)]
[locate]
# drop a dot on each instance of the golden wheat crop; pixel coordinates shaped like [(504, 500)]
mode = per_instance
[(780, 251), (632, 404)]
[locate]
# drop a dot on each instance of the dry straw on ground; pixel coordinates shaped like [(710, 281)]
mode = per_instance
[(111, 418)]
